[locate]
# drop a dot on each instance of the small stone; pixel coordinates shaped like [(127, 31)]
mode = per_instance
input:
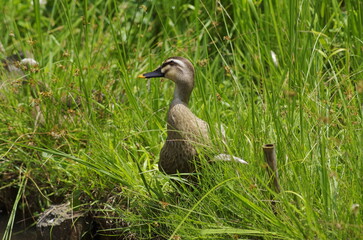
[(354, 209), (62, 223)]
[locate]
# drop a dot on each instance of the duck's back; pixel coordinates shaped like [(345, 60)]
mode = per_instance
[(185, 132)]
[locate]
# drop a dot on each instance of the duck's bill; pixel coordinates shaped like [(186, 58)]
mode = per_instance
[(154, 74)]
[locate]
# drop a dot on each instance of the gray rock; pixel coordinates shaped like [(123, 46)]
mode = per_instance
[(62, 223)]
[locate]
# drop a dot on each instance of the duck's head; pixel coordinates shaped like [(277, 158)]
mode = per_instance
[(178, 69)]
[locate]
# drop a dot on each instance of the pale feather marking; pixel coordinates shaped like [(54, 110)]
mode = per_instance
[(181, 63)]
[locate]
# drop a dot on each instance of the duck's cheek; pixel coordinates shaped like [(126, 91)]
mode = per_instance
[(170, 75)]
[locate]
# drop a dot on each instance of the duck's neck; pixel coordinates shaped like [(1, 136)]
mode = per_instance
[(182, 94)]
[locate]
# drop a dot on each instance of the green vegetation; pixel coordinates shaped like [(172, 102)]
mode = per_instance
[(83, 128)]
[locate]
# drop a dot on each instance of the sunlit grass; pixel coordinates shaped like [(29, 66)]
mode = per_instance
[(85, 129)]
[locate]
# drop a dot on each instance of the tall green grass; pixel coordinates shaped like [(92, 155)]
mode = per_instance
[(101, 130)]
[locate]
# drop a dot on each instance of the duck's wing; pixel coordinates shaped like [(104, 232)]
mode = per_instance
[(230, 158)]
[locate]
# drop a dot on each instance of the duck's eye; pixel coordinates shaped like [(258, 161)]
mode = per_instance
[(171, 63)]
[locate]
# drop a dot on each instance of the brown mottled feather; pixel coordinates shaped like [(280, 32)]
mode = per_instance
[(185, 131)]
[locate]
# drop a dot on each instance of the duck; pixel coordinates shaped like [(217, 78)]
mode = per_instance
[(185, 131)]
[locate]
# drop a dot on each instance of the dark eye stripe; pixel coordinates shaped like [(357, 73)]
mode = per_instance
[(171, 63)]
